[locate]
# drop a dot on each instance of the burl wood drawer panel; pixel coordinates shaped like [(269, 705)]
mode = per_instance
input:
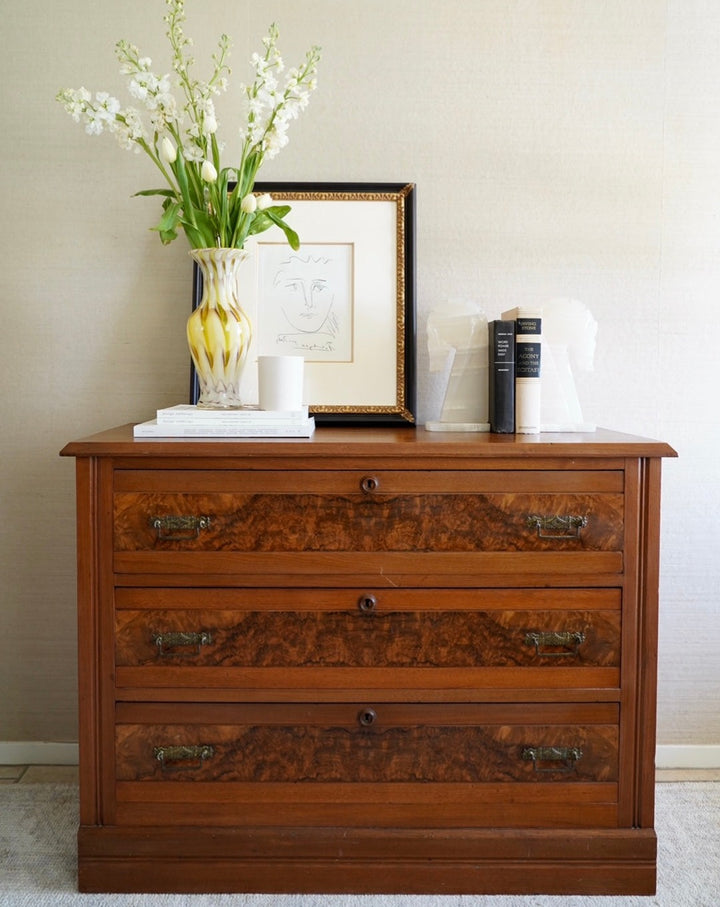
[(374, 763), (204, 637), (307, 515)]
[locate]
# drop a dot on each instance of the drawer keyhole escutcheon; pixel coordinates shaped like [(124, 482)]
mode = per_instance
[(176, 640), (179, 528), (367, 717), (179, 756), (367, 604), (557, 527), (369, 484), (569, 641), (552, 758)]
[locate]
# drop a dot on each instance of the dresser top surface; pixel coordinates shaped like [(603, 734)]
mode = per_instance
[(332, 441)]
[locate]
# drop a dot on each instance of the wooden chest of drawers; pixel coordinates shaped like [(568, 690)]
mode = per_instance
[(373, 661)]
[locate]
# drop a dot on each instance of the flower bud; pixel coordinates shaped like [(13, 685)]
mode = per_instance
[(208, 172), (249, 204), (210, 125), (168, 151), (265, 201)]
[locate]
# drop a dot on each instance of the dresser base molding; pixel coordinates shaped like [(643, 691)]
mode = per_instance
[(366, 861)]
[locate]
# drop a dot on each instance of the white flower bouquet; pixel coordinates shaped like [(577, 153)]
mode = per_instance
[(213, 205)]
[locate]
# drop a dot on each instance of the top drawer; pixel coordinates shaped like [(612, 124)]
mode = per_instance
[(305, 513)]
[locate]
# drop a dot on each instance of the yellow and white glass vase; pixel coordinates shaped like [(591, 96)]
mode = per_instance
[(218, 330)]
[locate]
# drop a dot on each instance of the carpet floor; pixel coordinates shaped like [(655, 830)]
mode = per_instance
[(38, 824)]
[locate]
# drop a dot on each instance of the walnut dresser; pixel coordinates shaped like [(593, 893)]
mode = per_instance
[(378, 660)]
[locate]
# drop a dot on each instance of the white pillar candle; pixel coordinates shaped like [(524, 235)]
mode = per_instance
[(280, 382)]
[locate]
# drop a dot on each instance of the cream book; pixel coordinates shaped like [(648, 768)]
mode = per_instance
[(528, 350), (187, 414), (154, 429)]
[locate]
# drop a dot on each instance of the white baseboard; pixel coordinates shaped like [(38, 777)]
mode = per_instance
[(37, 753), (687, 757), (32, 752)]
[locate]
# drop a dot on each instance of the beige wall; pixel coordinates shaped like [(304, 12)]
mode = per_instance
[(560, 148)]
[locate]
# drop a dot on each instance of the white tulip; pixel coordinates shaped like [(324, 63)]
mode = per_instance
[(265, 201), (168, 151), (249, 204), (208, 172)]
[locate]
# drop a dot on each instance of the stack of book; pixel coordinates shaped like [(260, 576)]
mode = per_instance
[(186, 421)]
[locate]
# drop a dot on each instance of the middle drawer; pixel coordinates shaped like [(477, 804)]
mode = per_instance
[(350, 638)]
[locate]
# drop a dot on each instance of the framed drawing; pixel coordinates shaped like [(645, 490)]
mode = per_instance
[(345, 300)]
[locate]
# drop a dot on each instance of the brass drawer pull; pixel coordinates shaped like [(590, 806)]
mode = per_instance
[(170, 756), (552, 758), (567, 639), (367, 603), (367, 717), (177, 640), (178, 528), (557, 527), (369, 484)]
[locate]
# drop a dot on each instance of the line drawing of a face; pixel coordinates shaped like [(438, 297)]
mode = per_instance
[(306, 294), (306, 299)]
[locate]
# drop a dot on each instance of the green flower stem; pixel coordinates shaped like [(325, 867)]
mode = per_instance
[(182, 178)]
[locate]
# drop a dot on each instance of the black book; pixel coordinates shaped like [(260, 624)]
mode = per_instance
[(501, 336)]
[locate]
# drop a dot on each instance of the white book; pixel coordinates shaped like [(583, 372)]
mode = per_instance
[(187, 414), (152, 429), (528, 348)]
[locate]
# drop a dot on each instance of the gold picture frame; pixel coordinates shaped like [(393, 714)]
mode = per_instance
[(345, 300)]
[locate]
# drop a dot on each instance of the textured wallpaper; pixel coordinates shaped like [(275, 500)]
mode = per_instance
[(559, 149)]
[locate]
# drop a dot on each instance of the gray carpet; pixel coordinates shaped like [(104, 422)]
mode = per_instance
[(37, 860)]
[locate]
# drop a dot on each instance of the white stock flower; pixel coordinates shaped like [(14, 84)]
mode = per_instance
[(107, 104), (138, 89), (128, 129), (192, 152), (275, 141), (134, 123), (75, 101), (93, 125)]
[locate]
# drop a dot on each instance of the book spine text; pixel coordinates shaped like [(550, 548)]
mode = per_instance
[(528, 346), (501, 376)]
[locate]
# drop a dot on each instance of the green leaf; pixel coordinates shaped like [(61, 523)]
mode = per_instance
[(261, 222), (168, 193), (265, 219), (170, 218), (290, 234), (167, 236), (200, 230), (167, 227)]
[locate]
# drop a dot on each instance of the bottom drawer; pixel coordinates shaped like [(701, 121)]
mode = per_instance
[(367, 764)]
